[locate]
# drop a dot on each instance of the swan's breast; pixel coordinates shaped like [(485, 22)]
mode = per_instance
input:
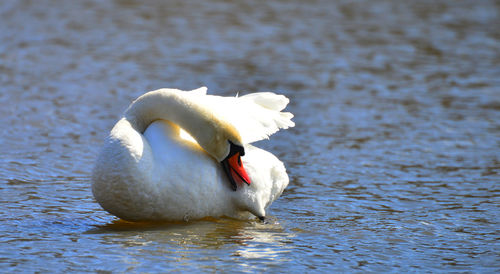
[(188, 180)]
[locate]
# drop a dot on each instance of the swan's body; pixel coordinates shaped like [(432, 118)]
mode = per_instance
[(149, 170)]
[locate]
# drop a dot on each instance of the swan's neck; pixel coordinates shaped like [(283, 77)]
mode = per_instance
[(186, 111)]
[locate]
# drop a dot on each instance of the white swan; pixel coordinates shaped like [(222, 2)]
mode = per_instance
[(149, 169)]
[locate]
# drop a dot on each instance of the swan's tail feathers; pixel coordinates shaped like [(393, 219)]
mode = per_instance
[(260, 115)]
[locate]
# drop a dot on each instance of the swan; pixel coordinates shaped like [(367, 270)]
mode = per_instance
[(180, 155)]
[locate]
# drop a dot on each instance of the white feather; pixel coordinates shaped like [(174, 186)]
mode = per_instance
[(256, 116)]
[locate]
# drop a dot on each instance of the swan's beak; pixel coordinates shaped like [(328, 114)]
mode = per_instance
[(235, 171)]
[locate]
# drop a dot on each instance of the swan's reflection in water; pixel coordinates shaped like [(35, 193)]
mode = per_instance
[(223, 241)]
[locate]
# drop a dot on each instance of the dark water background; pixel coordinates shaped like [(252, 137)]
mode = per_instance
[(394, 162)]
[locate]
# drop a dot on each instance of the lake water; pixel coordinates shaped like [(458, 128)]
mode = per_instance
[(394, 162)]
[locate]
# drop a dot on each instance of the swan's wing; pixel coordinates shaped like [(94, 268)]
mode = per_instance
[(261, 115), (256, 116)]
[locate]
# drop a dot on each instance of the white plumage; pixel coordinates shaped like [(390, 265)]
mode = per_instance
[(149, 169), (256, 116)]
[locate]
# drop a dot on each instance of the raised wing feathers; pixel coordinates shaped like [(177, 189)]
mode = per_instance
[(256, 116)]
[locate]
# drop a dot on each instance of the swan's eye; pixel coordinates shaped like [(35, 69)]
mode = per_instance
[(233, 149)]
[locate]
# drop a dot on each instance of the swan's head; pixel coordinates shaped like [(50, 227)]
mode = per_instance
[(225, 146)]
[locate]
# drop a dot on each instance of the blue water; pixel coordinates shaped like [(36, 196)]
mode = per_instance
[(394, 161)]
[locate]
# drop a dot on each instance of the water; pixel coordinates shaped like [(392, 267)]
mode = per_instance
[(394, 162)]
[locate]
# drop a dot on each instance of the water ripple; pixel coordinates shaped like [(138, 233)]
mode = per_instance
[(393, 164)]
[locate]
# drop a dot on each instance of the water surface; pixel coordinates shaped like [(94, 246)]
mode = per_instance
[(394, 162)]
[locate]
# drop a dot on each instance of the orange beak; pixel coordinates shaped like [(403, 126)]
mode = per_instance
[(235, 171)]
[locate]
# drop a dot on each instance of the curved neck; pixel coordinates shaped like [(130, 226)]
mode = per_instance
[(161, 104), (184, 110)]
